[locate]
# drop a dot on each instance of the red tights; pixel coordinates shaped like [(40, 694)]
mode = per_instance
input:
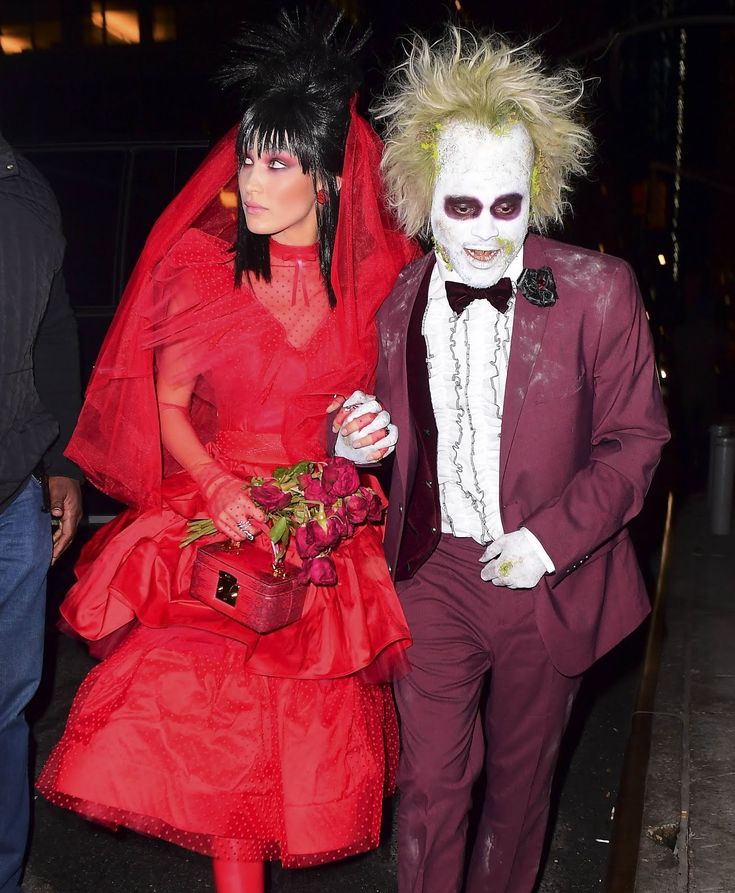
[(238, 877)]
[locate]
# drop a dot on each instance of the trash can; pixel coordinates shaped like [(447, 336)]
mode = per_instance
[(722, 478), (715, 431)]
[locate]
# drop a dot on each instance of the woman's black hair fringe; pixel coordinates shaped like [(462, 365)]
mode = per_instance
[(296, 78)]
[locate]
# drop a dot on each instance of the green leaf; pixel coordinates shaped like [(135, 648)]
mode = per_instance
[(277, 530), (303, 467)]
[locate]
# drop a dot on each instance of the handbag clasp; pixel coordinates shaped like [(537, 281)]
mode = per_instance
[(227, 588)]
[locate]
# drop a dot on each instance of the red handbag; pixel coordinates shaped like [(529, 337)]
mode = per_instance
[(241, 582)]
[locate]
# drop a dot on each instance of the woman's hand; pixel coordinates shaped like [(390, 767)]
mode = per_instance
[(228, 504), (365, 430)]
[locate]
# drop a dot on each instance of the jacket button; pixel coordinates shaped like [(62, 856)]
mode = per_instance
[(433, 529), (400, 507), (9, 166), (390, 568), (426, 432), (430, 483)]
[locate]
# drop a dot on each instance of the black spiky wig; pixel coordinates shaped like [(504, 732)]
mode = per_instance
[(296, 78)]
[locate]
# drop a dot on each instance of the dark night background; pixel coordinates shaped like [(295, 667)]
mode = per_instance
[(115, 101)]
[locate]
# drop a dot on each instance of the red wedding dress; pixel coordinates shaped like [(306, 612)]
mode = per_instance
[(196, 729)]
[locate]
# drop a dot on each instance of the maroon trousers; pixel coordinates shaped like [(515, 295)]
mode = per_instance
[(466, 633)]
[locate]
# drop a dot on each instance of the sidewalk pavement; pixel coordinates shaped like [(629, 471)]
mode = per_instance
[(687, 842)]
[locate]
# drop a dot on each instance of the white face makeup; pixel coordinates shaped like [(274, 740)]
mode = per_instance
[(479, 214)]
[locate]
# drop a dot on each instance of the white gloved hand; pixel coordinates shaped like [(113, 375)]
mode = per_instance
[(512, 561), (379, 425)]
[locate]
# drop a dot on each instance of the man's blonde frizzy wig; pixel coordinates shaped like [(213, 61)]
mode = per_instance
[(479, 80)]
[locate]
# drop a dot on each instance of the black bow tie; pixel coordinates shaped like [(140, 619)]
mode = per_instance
[(460, 296)]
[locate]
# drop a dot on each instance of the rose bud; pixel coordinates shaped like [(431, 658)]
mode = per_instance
[(374, 504), (270, 497), (313, 489), (342, 522), (340, 477), (322, 571), (356, 508), (312, 539)]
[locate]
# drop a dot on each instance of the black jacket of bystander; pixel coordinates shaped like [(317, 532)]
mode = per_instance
[(39, 357)]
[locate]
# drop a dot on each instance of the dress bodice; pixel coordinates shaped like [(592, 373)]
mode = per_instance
[(267, 357)]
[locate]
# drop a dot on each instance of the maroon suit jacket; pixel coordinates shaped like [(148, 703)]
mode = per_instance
[(582, 431)]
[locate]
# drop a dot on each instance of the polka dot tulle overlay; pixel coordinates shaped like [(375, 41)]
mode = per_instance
[(195, 729), (173, 737)]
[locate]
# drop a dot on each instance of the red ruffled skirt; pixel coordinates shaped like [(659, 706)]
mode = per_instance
[(173, 737), (199, 731)]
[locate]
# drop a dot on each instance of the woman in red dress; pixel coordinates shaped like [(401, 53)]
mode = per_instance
[(232, 339)]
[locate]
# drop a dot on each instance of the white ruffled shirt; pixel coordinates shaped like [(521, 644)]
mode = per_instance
[(467, 359)]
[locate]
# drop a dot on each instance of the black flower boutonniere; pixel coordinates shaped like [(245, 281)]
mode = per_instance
[(538, 286)]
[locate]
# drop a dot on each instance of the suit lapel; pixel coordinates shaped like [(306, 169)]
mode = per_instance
[(529, 324), (401, 312)]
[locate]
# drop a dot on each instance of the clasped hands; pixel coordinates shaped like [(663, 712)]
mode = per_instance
[(364, 430), (512, 560)]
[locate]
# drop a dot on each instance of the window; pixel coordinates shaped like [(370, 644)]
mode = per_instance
[(117, 23), (46, 34), (164, 23), (16, 39), (30, 26)]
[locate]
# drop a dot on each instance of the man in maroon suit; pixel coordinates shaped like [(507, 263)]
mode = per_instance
[(520, 374)]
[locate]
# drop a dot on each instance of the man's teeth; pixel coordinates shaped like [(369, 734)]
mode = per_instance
[(477, 254)]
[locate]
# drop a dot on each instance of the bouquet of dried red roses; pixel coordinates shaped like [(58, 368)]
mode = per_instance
[(317, 503)]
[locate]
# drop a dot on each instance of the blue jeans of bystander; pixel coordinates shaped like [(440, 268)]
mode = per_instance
[(25, 555)]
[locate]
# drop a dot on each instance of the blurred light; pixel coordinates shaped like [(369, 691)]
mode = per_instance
[(728, 300), (678, 151), (603, 188), (46, 34), (228, 198), (119, 24), (661, 330), (648, 316), (662, 260), (457, 5), (601, 248), (663, 373), (164, 23), (15, 43)]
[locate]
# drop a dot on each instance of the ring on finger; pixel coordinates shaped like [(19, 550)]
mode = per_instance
[(244, 527)]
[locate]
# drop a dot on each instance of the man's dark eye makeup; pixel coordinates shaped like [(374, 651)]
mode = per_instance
[(460, 207), (507, 206)]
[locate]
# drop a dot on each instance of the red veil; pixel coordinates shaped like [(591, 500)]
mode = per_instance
[(117, 439)]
